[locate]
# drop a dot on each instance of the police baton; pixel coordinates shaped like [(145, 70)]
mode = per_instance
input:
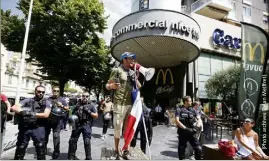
[(145, 129)]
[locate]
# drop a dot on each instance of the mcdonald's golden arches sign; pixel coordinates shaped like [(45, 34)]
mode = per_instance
[(164, 76), (252, 51)]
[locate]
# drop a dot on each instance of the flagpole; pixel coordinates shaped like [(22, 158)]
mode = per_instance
[(17, 100), (145, 130)]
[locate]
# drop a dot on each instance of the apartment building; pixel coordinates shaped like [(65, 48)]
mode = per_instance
[(231, 11), (29, 80)]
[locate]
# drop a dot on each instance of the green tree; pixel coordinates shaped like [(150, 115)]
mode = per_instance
[(63, 36), (96, 73), (224, 85)]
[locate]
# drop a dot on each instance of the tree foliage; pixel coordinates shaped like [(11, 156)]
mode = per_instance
[(224, 84), (63, 36)]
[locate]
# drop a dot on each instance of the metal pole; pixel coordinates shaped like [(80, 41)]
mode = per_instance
[(145, 130), (23, 54)]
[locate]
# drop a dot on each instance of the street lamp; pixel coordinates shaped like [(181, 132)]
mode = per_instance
[(17, 100)]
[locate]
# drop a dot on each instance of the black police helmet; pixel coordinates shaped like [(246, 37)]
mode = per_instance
[(73, 120), (56, 114)]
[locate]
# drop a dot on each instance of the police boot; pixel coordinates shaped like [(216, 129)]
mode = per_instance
[(87, 147), (198, 153), (40, 151), (56, 142), (20, 152), (181, 153), (72, 149)]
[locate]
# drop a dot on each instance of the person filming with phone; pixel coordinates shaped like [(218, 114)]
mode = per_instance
[(122, 81)]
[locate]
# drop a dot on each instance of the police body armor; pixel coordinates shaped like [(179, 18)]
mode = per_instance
[(33, 106), (83, 117), (187, 118)]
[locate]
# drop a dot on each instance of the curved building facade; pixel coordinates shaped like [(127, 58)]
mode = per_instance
[(185, 48)]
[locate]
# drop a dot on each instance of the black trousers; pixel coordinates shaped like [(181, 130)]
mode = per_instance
[(56, 129), (183, 138), (143, 141), (86, 131), (105, 125), (37, 134), (3, 121)]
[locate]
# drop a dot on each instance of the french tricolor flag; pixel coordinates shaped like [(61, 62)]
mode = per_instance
[(133, 118)]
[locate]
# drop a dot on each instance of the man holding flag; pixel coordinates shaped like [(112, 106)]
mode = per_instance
[(124, 81)]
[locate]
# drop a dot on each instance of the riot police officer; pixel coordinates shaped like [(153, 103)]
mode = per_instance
[(186, 120), (85, 112), (33, 114), (59, 106), (140, 128)]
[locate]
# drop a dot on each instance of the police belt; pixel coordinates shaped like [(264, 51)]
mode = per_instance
[(84, 122)]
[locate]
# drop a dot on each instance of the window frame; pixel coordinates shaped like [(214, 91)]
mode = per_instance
[(142, 5), (245, 7)]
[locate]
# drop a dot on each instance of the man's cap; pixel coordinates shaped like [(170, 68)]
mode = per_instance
[(127, 55)]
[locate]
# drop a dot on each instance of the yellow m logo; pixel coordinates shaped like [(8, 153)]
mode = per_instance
[(252, 51), (164, 76)]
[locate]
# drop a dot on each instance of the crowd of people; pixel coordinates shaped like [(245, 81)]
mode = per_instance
[(37, 116)]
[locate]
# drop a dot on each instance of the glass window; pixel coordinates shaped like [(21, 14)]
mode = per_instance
[(246, 11), (265, 19), (144, 4), (27, 82), (234, 6), (10, 79), (34, 82)]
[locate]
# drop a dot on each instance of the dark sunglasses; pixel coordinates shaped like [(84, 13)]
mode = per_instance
[(85, 96), (43, 92), (56, 91)]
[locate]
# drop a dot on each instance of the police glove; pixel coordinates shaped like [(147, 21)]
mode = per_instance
[(86, 110), (190, 130), (25, 113)]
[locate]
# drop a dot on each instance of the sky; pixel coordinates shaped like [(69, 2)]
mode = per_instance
[(115, 9)]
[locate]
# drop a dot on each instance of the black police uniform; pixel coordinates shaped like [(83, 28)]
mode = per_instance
[(140, 128), (187, 118), (55, 125), (31, 127), (84, 126)]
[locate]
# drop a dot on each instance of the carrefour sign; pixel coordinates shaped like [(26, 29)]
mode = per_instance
[(225, 40)]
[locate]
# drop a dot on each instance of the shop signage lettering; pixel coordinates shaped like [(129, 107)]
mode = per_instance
[(166, 89), (174, 26), (220, 39)]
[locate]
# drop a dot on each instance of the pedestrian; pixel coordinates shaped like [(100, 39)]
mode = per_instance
[(33, 114), (122, 80), (186, 119), (158, 113), (5, 109), (143, 130), (55, 124), (106, 108), (86, 113)]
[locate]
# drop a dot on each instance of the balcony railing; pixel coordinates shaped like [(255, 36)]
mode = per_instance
[(198, 4)]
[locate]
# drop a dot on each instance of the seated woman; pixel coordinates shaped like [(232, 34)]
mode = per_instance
[(248, 143)]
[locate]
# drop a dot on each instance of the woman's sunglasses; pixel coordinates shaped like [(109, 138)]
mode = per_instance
[(85, 96), (56, 91)]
